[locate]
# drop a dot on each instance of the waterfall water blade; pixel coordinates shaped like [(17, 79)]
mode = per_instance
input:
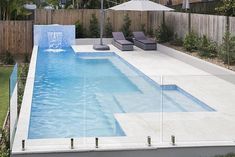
[(55, 41)]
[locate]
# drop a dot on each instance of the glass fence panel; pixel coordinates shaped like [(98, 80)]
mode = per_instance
[(198, 109), (131, 111), (104, 112), (13, 79), (122, 111), (13, 102)]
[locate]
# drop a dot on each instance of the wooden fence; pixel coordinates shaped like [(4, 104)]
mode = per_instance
[(232, 25), (177, 22), (212, 26), (84, 15), (16, 36)]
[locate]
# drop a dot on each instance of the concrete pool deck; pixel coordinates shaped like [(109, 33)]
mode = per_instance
[(215, 92), (192, 129)]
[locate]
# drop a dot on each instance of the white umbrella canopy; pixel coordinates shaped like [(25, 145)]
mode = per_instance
[(141, 5)]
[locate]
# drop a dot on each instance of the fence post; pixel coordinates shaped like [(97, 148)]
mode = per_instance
[(163, 18), (227, 30), (189, 22)]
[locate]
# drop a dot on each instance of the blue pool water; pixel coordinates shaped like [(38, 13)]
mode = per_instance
[(77, 95)]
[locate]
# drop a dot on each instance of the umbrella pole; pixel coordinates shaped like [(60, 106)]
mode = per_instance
[(101, 21), (101, 46)]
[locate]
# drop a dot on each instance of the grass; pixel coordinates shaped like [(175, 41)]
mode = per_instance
[(4, 92)]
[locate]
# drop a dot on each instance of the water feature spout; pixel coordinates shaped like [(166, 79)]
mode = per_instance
[(55, 40)]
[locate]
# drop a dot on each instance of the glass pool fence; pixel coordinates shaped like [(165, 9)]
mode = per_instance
[(132, 112)]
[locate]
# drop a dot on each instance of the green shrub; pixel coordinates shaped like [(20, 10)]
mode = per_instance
[(108, 28), (126, 26), (80, 30), (143, 28), (227, 49), (190, 42), (27, 57), (23, 72), (226, 8), (177, 41), (5, 144), (207, 48), (163, 34), (150, 32), (94, 31), (7, 58)]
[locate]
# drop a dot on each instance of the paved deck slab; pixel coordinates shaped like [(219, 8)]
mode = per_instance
[(188, 126)]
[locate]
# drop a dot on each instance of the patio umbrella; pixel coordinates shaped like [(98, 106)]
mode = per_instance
[(141, 5)]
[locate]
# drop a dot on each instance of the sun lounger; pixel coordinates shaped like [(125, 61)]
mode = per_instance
[(121, 43), (141, 41)]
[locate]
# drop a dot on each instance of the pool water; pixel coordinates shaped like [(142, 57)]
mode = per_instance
[(78, 95)]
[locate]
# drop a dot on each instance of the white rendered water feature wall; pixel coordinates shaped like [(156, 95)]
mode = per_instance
[(54, 37)]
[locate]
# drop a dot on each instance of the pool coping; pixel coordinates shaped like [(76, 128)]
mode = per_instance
[(24, 116), (23, 126)]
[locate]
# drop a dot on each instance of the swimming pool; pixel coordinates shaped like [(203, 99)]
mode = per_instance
[(78, 94)]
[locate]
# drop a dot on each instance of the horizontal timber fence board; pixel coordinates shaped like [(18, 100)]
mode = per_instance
[(16, 37)]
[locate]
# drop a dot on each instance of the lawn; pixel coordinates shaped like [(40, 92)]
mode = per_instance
[(4, 94)]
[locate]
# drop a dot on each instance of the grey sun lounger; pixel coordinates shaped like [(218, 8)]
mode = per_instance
[(121, 43), (141, 41)]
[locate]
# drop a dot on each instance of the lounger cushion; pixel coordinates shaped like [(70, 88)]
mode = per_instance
[(118, 36), (139, 36), (124, 42), (147, 41)]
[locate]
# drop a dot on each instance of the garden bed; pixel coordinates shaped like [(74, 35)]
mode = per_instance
[(215, 60)]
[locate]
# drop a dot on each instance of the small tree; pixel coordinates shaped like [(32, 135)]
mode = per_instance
[(227, 49), (7, 58), (126, 26), (207, 48), (177, 41), (163, 34), (80, 31), (227, 8), (54, 3), (143, 28), (150, 32), (94, 27), (190, 42), (108, 28)]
